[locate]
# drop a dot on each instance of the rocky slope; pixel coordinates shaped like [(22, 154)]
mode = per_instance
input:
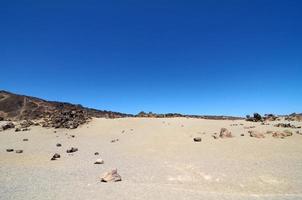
[(52, 114)]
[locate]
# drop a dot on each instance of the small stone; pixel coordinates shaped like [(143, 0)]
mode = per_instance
[(58, 145), (197, 139), (72, 150), (19, 151), (99, 161), (114, 140), (17, 129), (111, 176), (241, 134), (9, 150), (25, 139), (55, 156), (96, 153)]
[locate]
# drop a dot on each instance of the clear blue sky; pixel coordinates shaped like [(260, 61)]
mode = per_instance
[(231, 57)]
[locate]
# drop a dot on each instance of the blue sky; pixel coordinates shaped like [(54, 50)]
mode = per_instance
[(230, 57)]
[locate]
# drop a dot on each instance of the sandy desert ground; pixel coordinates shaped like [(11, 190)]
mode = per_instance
[(156, 158)]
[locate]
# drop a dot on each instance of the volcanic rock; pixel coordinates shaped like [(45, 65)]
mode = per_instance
[(225, 133), (72, 150), (111, 176), (256, 134), (99, 161), (197, 139)]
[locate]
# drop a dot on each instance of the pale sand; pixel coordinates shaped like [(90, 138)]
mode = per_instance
[(157, 160)]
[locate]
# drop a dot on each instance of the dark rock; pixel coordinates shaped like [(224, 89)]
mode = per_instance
[(286, 125), (25, 139), (58, 145), (17, 129), (241, 134), (96, 153), (8, 125), (72, 150), (9, 150), (25, 129), (55, 156), (114, 140), (197, 139)]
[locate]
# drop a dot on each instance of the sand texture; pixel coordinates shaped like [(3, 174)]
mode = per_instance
[(156, 158)]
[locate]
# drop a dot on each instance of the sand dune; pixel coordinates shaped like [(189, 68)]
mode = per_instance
[(157, 159)]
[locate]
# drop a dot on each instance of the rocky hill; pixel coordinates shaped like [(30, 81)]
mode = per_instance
[(52, 113)]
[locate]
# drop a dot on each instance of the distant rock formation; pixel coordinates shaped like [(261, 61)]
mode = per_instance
[(170, 115), (51, 113)]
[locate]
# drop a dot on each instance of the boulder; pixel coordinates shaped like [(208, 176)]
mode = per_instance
[(25, 139), (19, 151), (58, 145), (9, 150), (96, 153), (17, 129), (282, 134), (111, 176), (256, 134), (225, 133)]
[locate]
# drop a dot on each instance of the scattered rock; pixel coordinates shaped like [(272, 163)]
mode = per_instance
[(286, 125), (58, 145), (72, 136), (8, 125), (55, 156), (25, 139), (17, 129), (225, 133), (114, 140), (197, 139), (96, 153), (99, 161), (19, 151), (111, 176), (9, 150), (72, 150), (25, 129), (256, 134), (241, 134), (26, 123), (280, 134)]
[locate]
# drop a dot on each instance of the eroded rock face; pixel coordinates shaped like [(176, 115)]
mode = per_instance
[(50, 113), (256, 134), (111, 176), (225, 133)]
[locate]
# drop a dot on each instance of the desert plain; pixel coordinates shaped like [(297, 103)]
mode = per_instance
[(156, 158)]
